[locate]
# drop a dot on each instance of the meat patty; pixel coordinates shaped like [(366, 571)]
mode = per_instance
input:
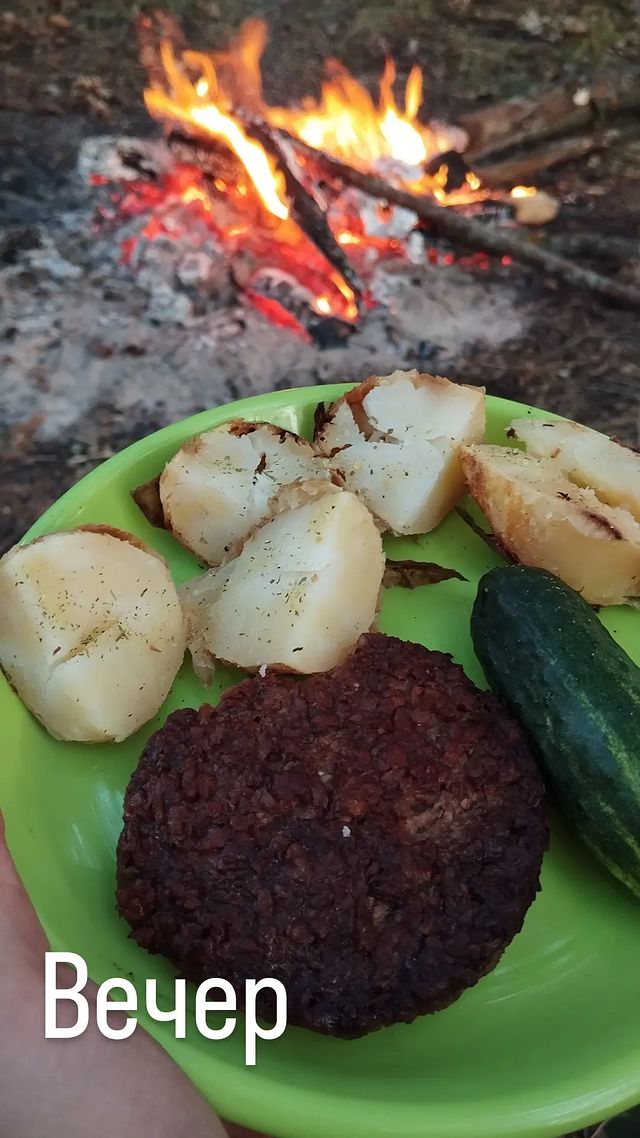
[(371, 837)]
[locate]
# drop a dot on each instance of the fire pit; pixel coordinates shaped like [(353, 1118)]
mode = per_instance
[(262, 193), (240, 245), (308, 205), (263, 266)]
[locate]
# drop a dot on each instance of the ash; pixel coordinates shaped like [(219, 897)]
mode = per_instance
[(170, 331)]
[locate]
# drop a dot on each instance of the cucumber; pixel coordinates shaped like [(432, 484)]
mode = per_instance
[(577, 694)]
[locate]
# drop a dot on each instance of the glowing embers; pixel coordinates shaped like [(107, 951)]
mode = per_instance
[(223, 182)]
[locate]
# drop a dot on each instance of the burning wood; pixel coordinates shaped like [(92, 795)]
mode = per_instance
[(308, 177), (213, 158), (478, 236), (306, 211), (222, 165), (219, 94)]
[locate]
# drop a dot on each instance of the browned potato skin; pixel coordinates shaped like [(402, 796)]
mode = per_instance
[(446, 486), (586, 457), (120, 535), (355, 398), (593, 547), (160, 506)]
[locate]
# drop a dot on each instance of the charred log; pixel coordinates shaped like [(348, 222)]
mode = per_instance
[(522, 167), (473, 234), (135, 159), (595, 246), (456, 166), (304, 208), (330, 332), (210, 155), (551, 113), (218, 162)]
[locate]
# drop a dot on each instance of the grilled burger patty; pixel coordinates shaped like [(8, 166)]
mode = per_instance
[(371, 837)]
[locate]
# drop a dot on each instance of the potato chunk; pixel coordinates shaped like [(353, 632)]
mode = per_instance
[(587, 458), (396, 440), (543, 519), (91, 632), (304, 587), (220, 484)]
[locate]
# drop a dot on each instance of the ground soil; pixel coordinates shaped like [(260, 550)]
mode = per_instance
[(68, 68)]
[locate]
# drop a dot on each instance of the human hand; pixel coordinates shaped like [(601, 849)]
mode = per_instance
[(22, 940), (69, 1088)]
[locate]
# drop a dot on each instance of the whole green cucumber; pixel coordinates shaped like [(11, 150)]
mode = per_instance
[(577, 694)]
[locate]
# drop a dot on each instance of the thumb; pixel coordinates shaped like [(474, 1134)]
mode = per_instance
[(20, 928), (8, 872)]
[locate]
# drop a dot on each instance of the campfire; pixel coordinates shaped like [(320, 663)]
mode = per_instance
[(221, 94), (302, 242), (308, 205)]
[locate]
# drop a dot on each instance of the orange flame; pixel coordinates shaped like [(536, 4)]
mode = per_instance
[(191, 103), (347, 123), (204, 90), (214, 95), (196, 194)]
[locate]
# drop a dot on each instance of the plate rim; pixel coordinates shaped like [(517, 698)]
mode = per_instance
[(213, 416), (243, 1093)]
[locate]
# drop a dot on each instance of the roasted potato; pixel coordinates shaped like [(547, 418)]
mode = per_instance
[(543, 519), (91, 632), (587, 458), (396, 440), (220, 484), (304, 587)]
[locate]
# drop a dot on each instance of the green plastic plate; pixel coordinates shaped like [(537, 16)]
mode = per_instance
[(547, 1042)]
